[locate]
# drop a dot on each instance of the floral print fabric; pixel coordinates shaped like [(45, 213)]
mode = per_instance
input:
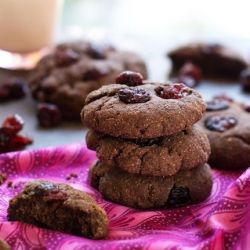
[(221, 222)]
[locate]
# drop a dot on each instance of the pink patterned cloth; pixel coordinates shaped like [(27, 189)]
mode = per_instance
[(220, 222)]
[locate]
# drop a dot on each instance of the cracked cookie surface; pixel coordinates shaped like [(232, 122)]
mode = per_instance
[(161, 156), (142, 191), (106, 113), (230, 148)]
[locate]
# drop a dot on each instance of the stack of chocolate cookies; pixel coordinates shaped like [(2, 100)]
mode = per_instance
[(151, 153)]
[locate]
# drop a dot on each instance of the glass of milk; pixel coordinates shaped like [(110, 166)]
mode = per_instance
[(27, 31)]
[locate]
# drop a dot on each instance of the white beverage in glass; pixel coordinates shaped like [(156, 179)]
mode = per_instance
[(27, 28)]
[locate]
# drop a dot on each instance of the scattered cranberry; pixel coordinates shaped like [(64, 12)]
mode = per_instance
[(48, 115), (4, 139), (136, 95), (50, 192), (66, 57), (178, 195), (189, 81), (174, 91), (13, 124), (246, 107), (223, 97), (18, 87), (189, 69), (216, 104), (147, 142), (244, 79), (18, 142), (13, 88), (4, 93), (94, 74), (96, 51), (9, 139), (220, 123), (129, 78)]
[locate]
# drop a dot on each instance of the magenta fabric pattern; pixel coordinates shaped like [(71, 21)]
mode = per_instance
[(222, 222)]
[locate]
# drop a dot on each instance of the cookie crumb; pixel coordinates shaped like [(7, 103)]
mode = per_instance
[(74, 175), (3, 177), (68, 177), (9, 184)]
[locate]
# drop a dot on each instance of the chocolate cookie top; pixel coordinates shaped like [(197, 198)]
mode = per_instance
[(161, 156), (215, 60), (146, 111), (68, 75), (142, 191), (227, 126)]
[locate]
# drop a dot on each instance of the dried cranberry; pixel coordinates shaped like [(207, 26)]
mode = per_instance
[(135, 95), (66, 57), (13, 124), (220, 123), (18, 142), (96, 51), (129, 78), (223, 97), (244, 79), (189, 69), (13, 88), (147, 142), (17, 86), (216, 104), (178, 196), (246, 107), (94, 74), (9, 139), (174, 91), (48, 115), (4, 139), (189, 81), (50, 192), (4, 93)]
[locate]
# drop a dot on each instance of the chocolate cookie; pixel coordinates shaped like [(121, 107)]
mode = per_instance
[(142, 191), (65, 77), (215, 60), (59, 206), (227, 126), (160, 156), (4, 245), (145, 111)]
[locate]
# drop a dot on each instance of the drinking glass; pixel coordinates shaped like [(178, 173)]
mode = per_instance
[(27, 31)]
